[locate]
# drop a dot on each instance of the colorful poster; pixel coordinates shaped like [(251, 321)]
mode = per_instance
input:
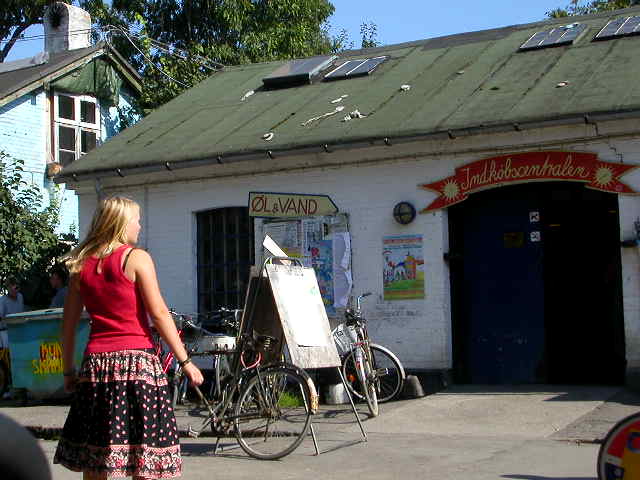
[(403, 267), (322, 262)]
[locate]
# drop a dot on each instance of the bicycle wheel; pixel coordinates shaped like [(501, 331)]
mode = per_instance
[(388, 371), (368, 383), (273, 413), (618, 454), (179, 383)]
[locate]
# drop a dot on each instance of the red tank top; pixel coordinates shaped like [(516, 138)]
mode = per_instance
[(118, 315)]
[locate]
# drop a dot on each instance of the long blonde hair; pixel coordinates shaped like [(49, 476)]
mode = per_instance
[(108, 227)]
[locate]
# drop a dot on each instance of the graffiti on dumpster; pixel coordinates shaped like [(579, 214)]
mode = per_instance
[(50, 360)]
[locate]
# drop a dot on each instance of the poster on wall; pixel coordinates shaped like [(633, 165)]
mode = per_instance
[(403, 267), (322, 263), (322, 243), (287, 236)]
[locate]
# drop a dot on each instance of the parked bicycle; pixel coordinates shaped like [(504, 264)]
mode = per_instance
[(200, 342), (619, 452), (372, 372), (267, 408)]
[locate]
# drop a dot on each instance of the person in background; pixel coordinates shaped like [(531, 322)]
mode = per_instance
[(58, 280), (121, 422), (10, 303)]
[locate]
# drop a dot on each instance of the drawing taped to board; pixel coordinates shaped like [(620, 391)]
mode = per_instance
[(300, 309), (299, 303)]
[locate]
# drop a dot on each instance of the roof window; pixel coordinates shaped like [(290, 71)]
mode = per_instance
[(620, 27), (297, 72), (354, 68), (554, 37)]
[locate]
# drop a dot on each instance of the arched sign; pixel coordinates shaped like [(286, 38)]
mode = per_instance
[(528, 167)]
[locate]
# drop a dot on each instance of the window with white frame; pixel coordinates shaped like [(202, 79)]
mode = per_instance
[(77, 126)]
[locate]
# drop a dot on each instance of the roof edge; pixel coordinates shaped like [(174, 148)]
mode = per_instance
[(363, 142), (98, 50)]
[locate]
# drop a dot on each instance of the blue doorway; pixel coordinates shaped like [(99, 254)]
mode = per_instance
[(536, 289)]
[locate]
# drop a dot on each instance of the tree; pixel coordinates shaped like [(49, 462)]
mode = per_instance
[(369, 34), (578, 7), (28, 245), (178, 43), (231, 32)]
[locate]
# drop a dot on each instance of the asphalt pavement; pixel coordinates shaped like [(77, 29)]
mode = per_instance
[(475, 432)]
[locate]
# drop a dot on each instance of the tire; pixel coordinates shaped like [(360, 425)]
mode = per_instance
[(622, 442), (178, 388), (368, 383), (389, 372), (273, 413)]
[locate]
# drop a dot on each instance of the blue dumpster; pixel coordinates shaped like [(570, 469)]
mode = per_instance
[(35, 349)]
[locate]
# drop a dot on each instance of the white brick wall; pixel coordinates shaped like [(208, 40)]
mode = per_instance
[(419, 331)]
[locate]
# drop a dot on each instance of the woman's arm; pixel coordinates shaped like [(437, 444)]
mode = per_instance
[(72, 310), (141, 270)]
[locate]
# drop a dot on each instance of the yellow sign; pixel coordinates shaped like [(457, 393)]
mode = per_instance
[(50, 361), (269, 204)]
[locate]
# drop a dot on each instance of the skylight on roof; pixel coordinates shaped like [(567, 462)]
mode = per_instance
[(297, 72), (620, 27), (554, 37), (354, 68)]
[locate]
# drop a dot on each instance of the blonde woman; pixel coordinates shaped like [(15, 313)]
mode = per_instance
[(121, 422)]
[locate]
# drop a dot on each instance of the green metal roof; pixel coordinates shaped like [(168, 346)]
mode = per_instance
[(466, 81)]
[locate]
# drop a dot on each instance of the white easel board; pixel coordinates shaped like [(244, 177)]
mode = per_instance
[(303, 316)]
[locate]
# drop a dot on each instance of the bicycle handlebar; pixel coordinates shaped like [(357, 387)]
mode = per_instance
[(360, 297)]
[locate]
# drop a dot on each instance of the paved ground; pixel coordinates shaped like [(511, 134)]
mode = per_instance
[(526, 433)]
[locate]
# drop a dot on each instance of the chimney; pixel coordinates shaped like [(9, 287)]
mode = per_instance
[(66, 28)]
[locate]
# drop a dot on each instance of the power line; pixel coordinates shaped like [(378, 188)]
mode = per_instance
[(41, 37), (168, 49), (151, 61)]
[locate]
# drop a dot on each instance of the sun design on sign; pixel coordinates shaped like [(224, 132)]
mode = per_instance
[(451, 190), (603, 176)]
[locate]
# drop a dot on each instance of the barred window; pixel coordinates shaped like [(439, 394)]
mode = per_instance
[(225, 255)]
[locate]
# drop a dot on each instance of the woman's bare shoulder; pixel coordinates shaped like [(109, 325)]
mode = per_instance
[(140, 257)]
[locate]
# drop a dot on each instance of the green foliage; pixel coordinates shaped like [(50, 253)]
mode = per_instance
[(579, 7), (369, 33), (231, 32), (28, 244)]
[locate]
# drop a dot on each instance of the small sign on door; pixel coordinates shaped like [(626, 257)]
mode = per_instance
[(534, 216), (535, 236)]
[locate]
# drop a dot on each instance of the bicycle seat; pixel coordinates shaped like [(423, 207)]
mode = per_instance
[(262, 343)]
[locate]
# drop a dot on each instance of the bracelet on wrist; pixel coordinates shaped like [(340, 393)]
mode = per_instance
[(184, 362)]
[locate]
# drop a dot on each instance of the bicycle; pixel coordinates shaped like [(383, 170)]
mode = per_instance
[(200, 342), (267, 408), (372, 372), (619, 454)]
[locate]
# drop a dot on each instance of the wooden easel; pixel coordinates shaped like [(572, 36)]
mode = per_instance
[(275, 298)]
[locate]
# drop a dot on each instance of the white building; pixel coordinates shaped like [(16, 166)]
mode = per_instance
[(526, 283)]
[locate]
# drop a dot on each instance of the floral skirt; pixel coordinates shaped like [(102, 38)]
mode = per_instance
[(121, 421)]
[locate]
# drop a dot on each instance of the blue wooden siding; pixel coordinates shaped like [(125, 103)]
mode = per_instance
[(24, 126)]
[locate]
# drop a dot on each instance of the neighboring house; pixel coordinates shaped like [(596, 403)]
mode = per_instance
[(62, 103), (526, 283)]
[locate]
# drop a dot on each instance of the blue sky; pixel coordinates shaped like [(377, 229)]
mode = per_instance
[(401, 20)]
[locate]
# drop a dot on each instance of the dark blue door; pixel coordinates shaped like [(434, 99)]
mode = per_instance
[(503, 287)]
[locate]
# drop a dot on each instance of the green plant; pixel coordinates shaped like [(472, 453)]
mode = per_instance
[(29, 244)]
